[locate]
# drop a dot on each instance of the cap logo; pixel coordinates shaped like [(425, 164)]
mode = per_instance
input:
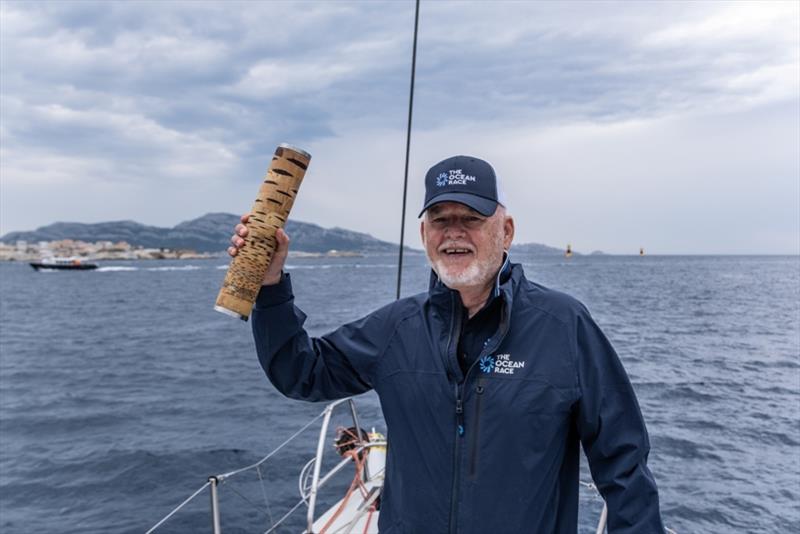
[(454, 177)]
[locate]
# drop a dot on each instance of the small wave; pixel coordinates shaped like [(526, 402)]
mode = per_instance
[(790, 364), (175, 268), (290, 267), (684, 448), (769, 438), (116, 268), (321, 266), (686, 393)]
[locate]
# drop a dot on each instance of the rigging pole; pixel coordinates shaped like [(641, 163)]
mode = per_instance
[(408, 149)]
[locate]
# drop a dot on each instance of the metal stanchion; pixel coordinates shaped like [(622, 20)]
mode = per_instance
[(601, 526), (215, 524)]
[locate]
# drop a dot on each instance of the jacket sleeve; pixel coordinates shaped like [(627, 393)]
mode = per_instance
[(334, 366), (613, 434)]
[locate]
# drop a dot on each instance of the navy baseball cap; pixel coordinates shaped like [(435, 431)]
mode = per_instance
[(463, 179)]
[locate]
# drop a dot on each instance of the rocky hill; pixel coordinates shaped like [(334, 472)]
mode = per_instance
[(536, 249), (209, 233)]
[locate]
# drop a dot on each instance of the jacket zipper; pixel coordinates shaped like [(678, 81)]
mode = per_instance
[(455, 328), (492, 344), (473, 459)]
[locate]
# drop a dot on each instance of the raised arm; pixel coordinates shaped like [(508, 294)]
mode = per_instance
[(333, 366)]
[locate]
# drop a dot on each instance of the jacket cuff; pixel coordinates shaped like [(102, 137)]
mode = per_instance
[(275, 294)]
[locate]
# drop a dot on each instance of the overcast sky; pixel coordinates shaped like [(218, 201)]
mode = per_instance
[(671, 126)]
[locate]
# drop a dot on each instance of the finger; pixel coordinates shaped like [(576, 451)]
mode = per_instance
[(273, 274), (282, 247), (232, 251), (241, 230), (244, 218), (282, 237), (237, 241)]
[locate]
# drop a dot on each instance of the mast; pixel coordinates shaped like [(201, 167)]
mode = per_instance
[(408, 150)]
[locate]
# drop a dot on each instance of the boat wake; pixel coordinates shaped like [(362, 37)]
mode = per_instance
[(175, 268), (116, 268)]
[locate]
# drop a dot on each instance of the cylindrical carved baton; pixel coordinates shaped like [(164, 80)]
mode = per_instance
[(270, 211)]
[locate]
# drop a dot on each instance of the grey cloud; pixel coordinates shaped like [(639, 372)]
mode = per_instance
[(588, 63), (187, 65), (237, 69)]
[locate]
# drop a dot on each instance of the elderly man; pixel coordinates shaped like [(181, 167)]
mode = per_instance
[(488, 382)]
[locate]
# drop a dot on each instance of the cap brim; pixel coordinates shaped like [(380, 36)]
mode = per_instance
[(484, 206)]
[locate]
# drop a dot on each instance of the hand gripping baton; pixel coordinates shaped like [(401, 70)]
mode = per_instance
[(270, 211)]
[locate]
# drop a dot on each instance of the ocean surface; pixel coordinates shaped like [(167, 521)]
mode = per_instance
[(121, 390)]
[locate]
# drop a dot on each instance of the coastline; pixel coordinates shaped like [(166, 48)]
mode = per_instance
[(28, 255)]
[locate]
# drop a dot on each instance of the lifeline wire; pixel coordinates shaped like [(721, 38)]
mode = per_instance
[(264, 493), (174, 511)]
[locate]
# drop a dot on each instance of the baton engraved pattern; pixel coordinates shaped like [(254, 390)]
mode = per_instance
[(269, 213)]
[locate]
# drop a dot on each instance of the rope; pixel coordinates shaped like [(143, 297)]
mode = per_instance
[(302, 482), (369, 518), (357, 483)]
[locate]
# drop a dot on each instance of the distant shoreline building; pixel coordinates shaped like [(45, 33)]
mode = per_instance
[(99, 250)]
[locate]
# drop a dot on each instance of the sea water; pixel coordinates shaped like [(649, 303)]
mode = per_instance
[(121, 390)]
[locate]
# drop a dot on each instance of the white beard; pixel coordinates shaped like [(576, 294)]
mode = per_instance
[(471, 276), (478, 273)]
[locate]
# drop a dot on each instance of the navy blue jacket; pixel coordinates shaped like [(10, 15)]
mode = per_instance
[(492, 450)]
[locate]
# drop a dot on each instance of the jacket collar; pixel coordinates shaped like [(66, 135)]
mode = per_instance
[(502, 276), (445, 306)]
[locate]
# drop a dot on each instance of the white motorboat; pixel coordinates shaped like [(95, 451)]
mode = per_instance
[(63, 264)]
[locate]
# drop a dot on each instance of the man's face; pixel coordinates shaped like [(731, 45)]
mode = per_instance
[(464, 247)]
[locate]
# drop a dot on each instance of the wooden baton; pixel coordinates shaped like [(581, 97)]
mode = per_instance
[(270, 211)]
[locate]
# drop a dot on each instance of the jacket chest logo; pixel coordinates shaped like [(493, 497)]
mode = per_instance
[(500, 363)]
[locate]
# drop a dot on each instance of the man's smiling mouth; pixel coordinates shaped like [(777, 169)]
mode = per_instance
[(457, 251)]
